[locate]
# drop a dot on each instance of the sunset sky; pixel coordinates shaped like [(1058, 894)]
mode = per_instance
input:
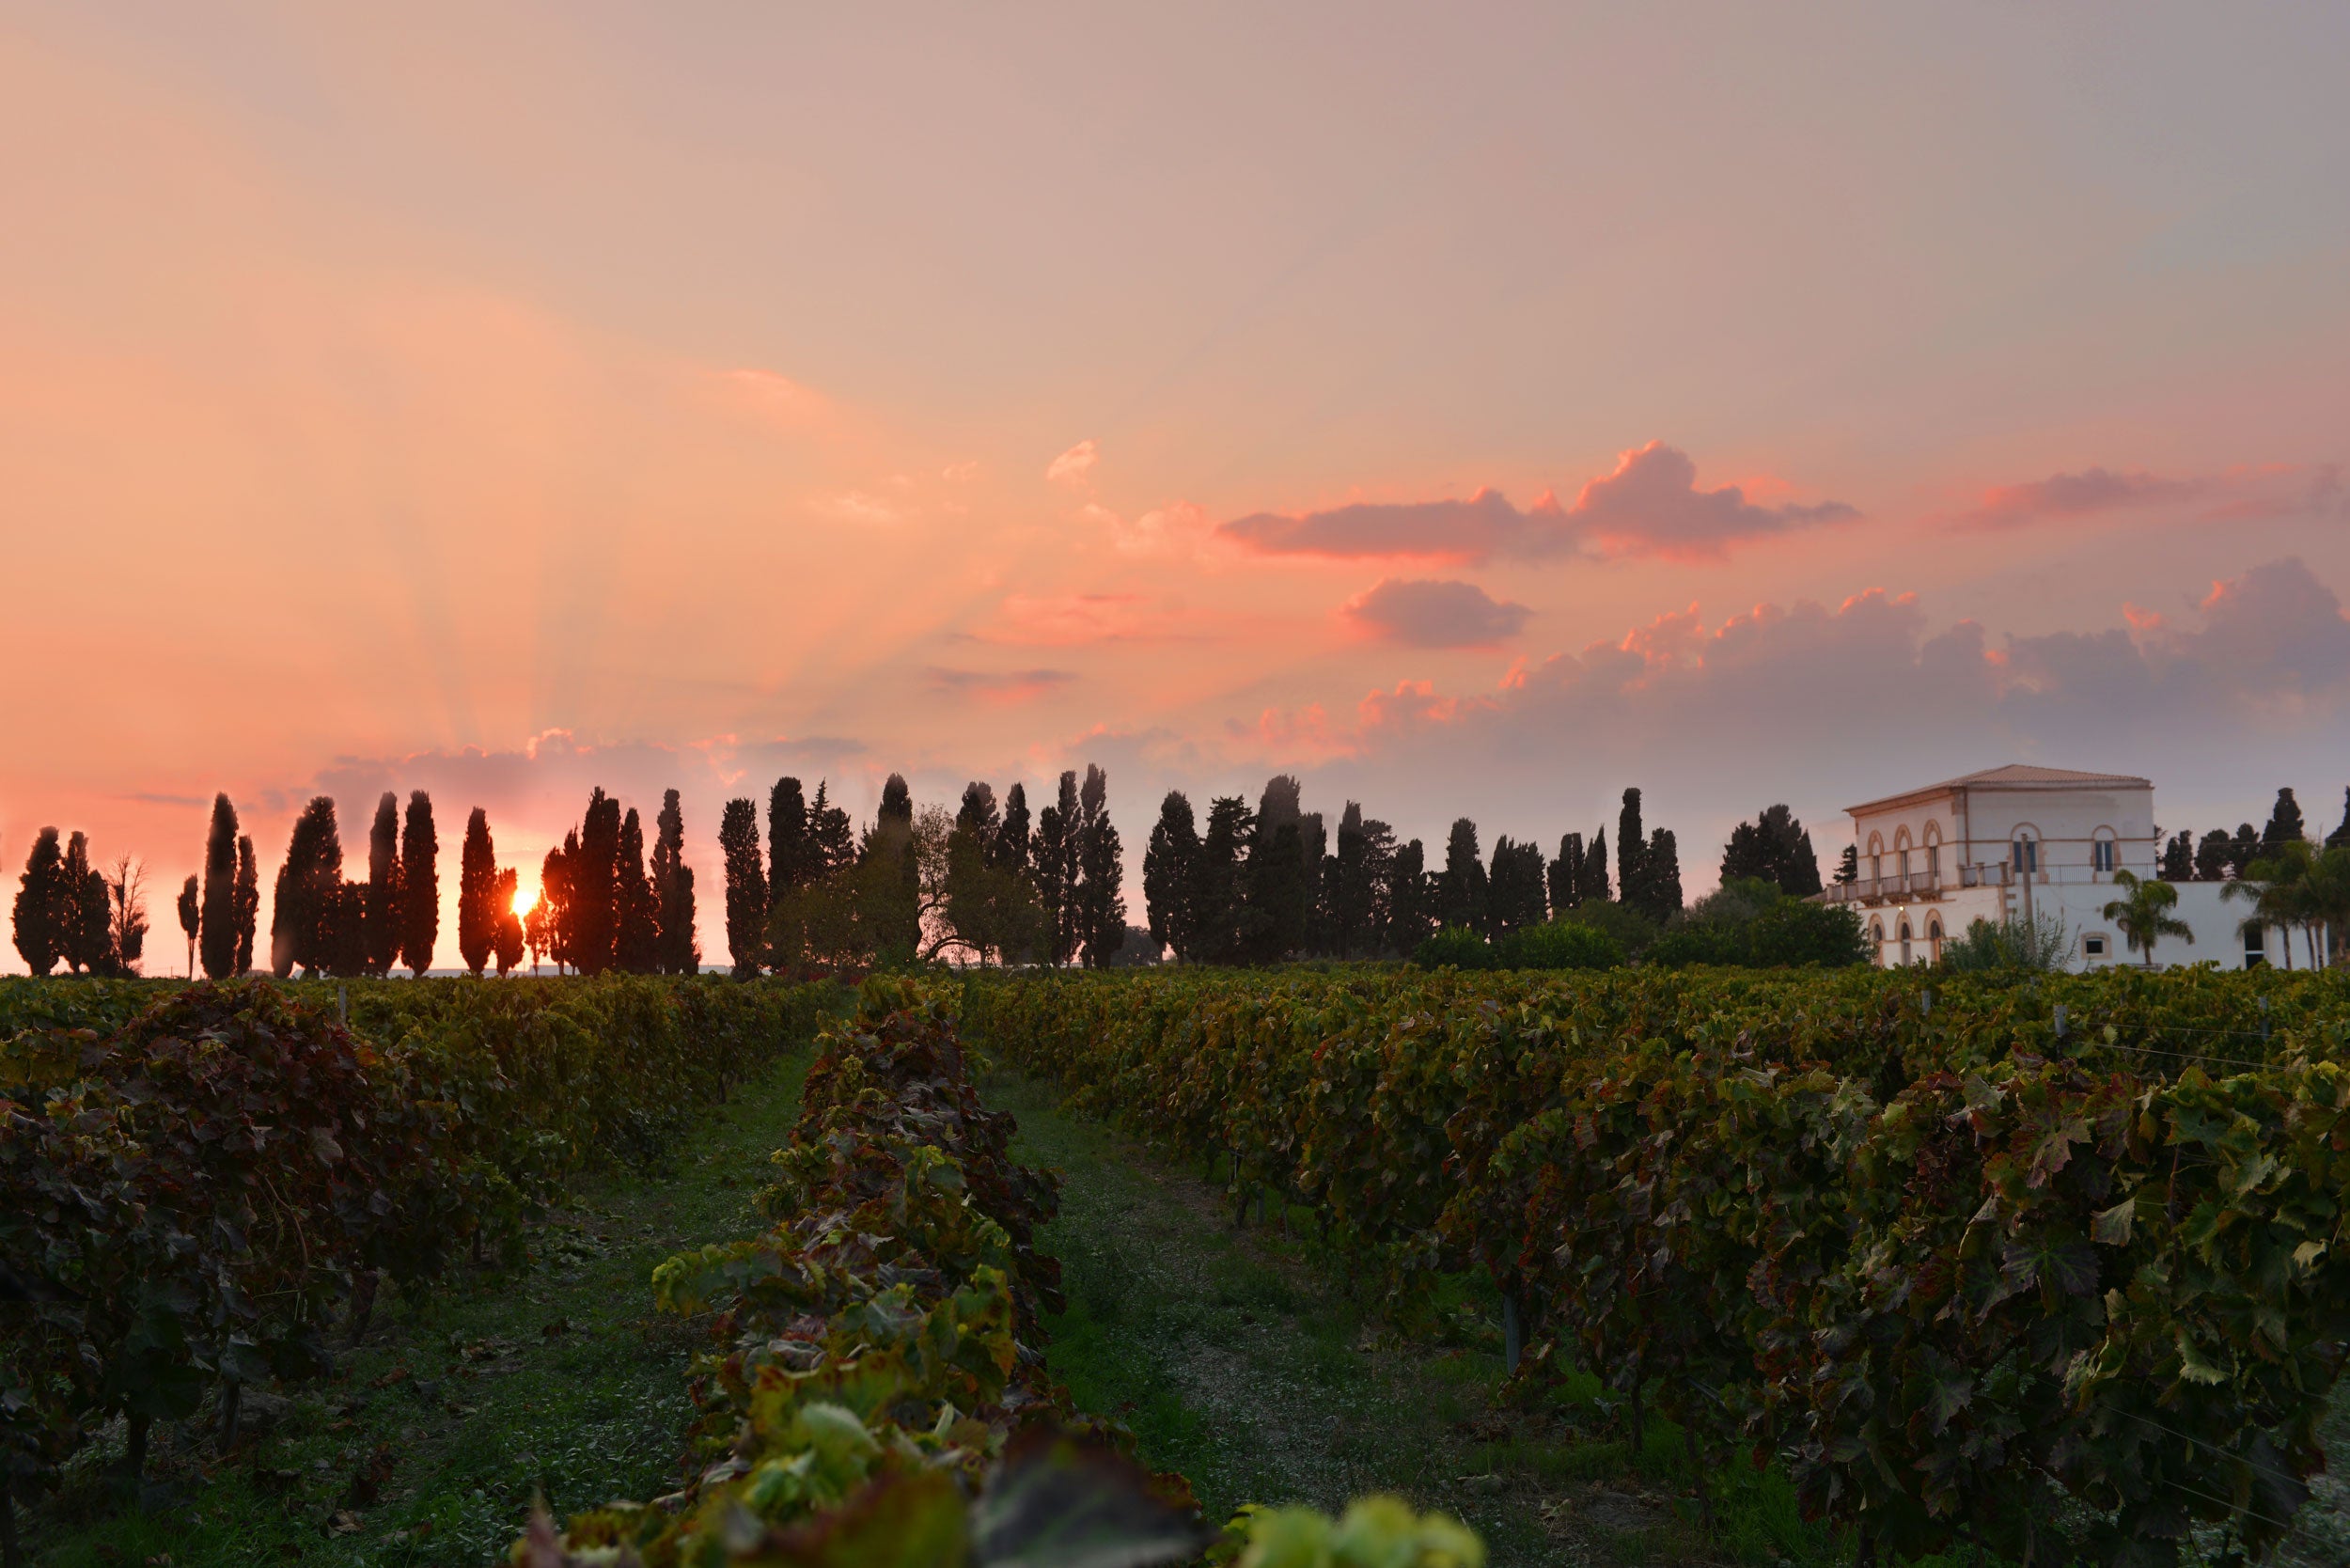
[(1471, 409)]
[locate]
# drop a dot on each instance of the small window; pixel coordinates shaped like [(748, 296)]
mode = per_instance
[(2101, 856), (2255, 947), (1904, 941), (2027, 855), (2094, 946)]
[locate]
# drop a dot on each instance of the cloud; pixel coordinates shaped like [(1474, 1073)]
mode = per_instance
[(1073, 465), (2250, 493), (1426, 614), (1650, 505), (1063, 620), (994, 688), (857, 505)]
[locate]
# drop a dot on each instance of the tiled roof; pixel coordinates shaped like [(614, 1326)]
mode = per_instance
[(2014, 775)]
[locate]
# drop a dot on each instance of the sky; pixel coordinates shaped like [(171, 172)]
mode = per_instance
[(1472, 410)]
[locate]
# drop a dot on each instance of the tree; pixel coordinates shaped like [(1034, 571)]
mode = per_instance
[(2212, 855), (1054, 871), (833, 834), (2341, 836), (191, 910), (537, 931), (127, 925), (2143, 913), (2243, 850), (2284, 891), (554, 908), (2177, 857), (477, 895), (747, 883), (306, 914), (1775, 848), (1355, 880), (1100, 873), (990, 909), (1276, 897), (1595, 888), (637, 946), (419, 885), (382, 922), (40, 913), (1170, 870), (2284, 826), (1463, 890), (791, 853), (1011, 849), (1660, 873), (1566, 873), (1411, 906), (1848, 865), (1631, 843), (510, 925), (673, 888), (247, 905), (219, 926), (88, 914), (595, 910), (1220, 918), (1515, 896)]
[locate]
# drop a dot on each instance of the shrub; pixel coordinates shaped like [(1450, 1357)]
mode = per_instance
[(1456, 947), (1558, 944)]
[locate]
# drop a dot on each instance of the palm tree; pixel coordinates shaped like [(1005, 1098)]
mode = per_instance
[(2282, 891), (2328, 883), (2143, 913)]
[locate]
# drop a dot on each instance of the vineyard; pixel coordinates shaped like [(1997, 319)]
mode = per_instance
[(2045, 1267)]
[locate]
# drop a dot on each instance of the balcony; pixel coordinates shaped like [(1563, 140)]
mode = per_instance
[(1886, 889)]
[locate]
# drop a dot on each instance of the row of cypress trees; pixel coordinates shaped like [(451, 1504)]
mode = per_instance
[(2220, 855), (599, 907)]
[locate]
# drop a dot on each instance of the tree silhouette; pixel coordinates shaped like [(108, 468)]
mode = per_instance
[(247, 903), (1773, 848), (673, 888), (1566, 874), (1464, 891), (747, 883), (1102, 873), (1009, 852), (1514, 893), (1277, 901), (833, 834), (1353, 882), (126, 935), (596, 885), (555, 900), (792, 854), (477, 895), (1170, 870), (419, 885), (1594, 887), (510, 925), (1221, 918), (1632, 886), (191, 911), (305, 917), (2341, 836), (219, 927), (1848, 865), (2212, 853), (638, 947), (2143, 913), (382, 922), (40, 913), (87, 923), (1054, 871), (1411, 904), (2177, 857), (2284, 826)]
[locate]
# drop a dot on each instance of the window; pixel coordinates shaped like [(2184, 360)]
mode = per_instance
[(1904, 941), (2102, 855), (2255, 945), (2026, 854), (1934, 936), (2094, 947)]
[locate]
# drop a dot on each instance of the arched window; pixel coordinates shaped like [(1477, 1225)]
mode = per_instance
[(1876, 938), (1876, 858), (1933, 937), (2025, 850), (1904, 941), (1901, 852), (1933, 850), (2105, 852)]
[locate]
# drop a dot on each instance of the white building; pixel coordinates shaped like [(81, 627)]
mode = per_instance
[(2020, 842)]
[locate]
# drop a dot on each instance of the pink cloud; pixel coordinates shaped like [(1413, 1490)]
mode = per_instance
[(998, 689), (2244, 494), (1650, 505), (1423, 614), (1062, 621), (1073, 465)]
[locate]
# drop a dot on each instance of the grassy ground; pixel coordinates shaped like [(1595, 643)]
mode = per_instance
[(430, 1441), (1240, 1360)]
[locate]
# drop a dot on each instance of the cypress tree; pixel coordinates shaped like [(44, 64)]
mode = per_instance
[(419, 885), (1632, 886), (2211, 856), (1594, 885), (2341, 836), (555, 900), (247, 905), (747, 883), (191, 918), (790, 847), (1352, 884), (1660, 868), (1411, 916), (2177, 857), (303, 914), (638, 947), (596, 885), (510, 925), (1566, 874), (1775, 849), (2284, 826), (896, 803), (673, 885), (84, 928), (477, 895), (1466, 899), (218, 934), (1102, 873), (1009, 852), (40, 904), (382, 903), (1170, 870), (2244, 850), (832, 834), (1218, 917), (1515, 897), (1055, 870), (1848, 865)]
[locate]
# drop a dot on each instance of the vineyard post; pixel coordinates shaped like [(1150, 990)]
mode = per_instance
[(342, 1005), (2060, 1023), (231, 1409), (1513, 1332)]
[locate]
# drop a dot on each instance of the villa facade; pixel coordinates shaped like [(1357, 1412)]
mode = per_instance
[(2018, 843)]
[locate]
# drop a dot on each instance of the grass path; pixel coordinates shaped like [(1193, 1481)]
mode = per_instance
[(1242, 1359), (429, 1444)]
